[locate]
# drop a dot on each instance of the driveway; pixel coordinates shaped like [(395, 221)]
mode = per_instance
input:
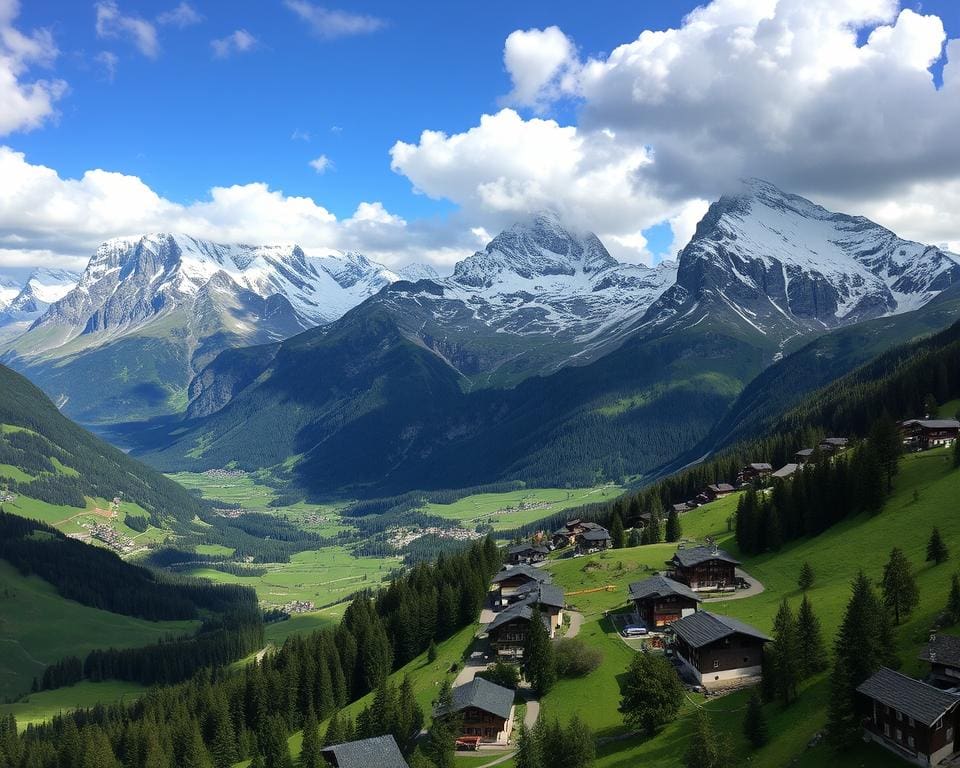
[(576, 621), (755, 588)]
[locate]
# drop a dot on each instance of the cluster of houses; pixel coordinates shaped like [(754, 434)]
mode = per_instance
[(924, 434), (918, 720), (585, 537), (520, 593)]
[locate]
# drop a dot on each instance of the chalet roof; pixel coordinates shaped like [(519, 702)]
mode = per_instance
[(834, 441), (516, 549), (913, 698), (943, 649), (521, 611), (804, 452), (682, 507), (721, 488), (483, 695), (688, 557), (785, 471), (542, 594), (595, 534), (531, 573), (660, 586), (703, 628), (934, 423), (382, 752), (760, 466)]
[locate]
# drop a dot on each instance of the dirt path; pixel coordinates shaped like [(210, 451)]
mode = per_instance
[(754, 589), (576, 622)]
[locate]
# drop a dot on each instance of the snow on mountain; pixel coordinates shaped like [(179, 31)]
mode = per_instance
[(9, 288), (42, 288), (783, 264), (414, 272)]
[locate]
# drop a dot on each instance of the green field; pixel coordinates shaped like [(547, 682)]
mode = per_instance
[(322, 576), (40, 707), (38, 627), (515, 508)]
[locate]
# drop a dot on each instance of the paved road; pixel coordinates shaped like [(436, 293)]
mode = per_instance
[(576, 621), (755, 588)]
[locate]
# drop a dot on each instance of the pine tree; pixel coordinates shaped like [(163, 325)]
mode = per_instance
[(617, 533), (432, 651), (539, 655), (579, 749), (900, 593), (707, 748), (334, 734), (651, 693), (310, 750), (937, 551), (529, 754), (863, 644), (755, 722), (888, 445), (953, 601), (653, 529), (674, 529), (813, 657), (956, 453), (786, 649), (807, 576), (636, 536)]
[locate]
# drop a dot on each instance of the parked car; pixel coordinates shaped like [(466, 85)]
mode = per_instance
[(634, 631)]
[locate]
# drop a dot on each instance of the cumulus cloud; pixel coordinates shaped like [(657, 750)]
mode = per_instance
[(112, 23), (49, 220), (238, 41), (108, 62), (25, 105), (184, 15), (330, 23), (321, 164), (834, 99)]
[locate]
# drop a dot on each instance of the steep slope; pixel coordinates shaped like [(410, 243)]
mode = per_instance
[(31, 299), (9, 288), (150, 312), (45, 456)]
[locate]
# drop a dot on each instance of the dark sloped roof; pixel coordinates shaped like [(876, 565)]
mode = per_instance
[(595, 534), (913, 698), (518, 548), (934, 423), (721, 488), (804, 452), (483, 695), (381, 752), (522, 570), (660, 586), (786, 470), (703, 628), (943, 649), (515, 611), (546, 594), (695, 555)]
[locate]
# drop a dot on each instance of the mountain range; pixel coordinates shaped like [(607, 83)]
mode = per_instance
[(541, 357), (21, 303)]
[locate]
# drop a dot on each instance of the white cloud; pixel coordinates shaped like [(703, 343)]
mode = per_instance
[(184, 15), (330, 23), (299, 135), (46, 219), (542, 65), (25, 105), (112, 23), (238, 41), (321, 164), (109, 62)]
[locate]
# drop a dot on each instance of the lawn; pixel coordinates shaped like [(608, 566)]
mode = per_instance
[(925, 494), (515, 508), (38, 627), (40, 707)]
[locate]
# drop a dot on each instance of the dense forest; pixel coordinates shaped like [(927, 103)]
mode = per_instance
[(94, 468), (220, 717)]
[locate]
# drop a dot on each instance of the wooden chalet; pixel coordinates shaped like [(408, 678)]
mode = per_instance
[(753, 472), (549, 598), (381, 752), (682, 507), (803, 455), (834, 444), (718, 650), (485, 710), (912, 719), (566, 536), (703, 568), (924, 434), (659, 601), (509, 630), (718, 491), (595, 538), (786, 471), (943, 655), (508, 581), (526, 553)]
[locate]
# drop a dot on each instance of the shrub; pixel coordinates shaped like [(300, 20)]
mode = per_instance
[(575, 658)]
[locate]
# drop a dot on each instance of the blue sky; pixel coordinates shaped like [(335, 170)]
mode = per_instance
[(183, 115)]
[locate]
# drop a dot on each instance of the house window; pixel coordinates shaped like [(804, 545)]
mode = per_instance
[(899, 735), (886, 730), (899, 716), (910, 741), (949, 734)]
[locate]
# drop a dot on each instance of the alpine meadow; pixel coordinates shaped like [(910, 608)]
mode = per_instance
[(460, 385)]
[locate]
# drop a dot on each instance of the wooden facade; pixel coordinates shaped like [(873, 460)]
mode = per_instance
[(924, 434), (718, 650), (703, 568)]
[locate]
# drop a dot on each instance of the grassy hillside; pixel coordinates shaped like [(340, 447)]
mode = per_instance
[(39, 627), (46, 457)]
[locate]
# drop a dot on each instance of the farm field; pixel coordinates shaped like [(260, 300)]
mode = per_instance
[(509, 510), (322, 576), (40, 707), (34, 616)]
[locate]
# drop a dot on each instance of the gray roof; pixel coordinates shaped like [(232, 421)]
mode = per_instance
[(696, 555), (542, 594), (595, 534), (381, 752), (835, 441), (934, 423), (529, 571), (660, 586), (786, 470), (481, 694), (703, 628), (913, 698), (518, 548), (804, 452), (760, 466), (721, 488), (682, 507), (516, 611), (943, 649)]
